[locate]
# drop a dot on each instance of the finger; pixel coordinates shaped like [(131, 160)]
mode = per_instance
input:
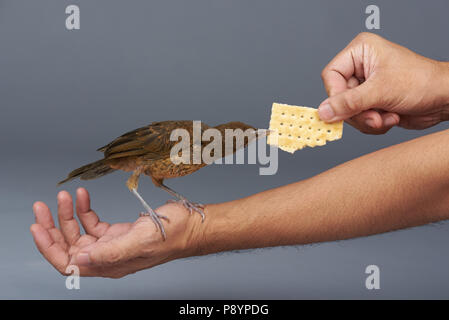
[(390, 119), (44, 218), (51, 250), (336, 74), (353, 82), (89, 219), (43, 215), (374, 122), (419, 122), (345, 105), (69, 226)]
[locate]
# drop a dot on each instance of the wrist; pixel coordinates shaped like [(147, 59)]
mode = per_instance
[(239, 225), (209, 236), (222, 230)]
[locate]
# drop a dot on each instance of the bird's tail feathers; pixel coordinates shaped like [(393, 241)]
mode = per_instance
[(89, 171)]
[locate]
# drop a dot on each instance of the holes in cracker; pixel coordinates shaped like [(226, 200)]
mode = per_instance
[(301, 128)]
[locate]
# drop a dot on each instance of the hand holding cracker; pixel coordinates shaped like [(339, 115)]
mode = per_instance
[(374, 85)]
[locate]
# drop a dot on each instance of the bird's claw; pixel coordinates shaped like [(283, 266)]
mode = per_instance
[(157, 221), (191, 206)]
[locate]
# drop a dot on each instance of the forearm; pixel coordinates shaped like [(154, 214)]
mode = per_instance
[(402, 186)]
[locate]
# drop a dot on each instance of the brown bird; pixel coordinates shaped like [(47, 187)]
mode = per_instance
[(147, 151)]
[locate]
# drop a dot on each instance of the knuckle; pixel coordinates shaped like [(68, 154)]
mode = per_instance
[(327, 69), (364, 36), (323, 73), (369, 38)]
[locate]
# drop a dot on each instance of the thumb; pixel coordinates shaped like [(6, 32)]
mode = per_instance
[(106, 253), (348, 103), (113, 251)]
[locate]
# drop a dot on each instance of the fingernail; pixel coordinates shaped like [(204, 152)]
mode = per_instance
[(370, 123), (82, 259), (326, 112), (390, 121)]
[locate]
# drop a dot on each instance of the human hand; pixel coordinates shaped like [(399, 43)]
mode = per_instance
[(110, 250), (375, 84)]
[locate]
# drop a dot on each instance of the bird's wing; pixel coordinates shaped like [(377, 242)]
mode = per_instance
[(153, 141)]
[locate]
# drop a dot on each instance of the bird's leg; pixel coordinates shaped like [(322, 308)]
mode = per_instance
[(153, 215), (191, 206), (132, 184)]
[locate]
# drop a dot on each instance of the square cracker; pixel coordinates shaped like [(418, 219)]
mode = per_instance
[(298, 127)]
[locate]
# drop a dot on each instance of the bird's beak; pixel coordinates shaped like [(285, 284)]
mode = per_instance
[(263, 132)]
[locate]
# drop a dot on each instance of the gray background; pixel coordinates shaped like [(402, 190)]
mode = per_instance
[(65, 93)]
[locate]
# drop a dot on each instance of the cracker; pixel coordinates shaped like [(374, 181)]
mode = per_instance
[(293, 128)]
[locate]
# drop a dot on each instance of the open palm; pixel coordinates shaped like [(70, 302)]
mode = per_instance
[(106, 250)]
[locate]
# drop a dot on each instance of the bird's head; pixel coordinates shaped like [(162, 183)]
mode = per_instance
[(234, 125), (243, 126), (246, 132)]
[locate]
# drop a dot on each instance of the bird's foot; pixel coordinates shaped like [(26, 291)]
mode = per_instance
[(191, 206), (156, 219)]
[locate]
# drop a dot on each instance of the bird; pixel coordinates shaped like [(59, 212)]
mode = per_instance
[(146, 151)]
